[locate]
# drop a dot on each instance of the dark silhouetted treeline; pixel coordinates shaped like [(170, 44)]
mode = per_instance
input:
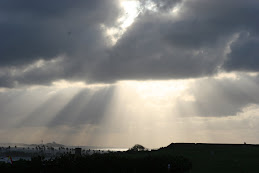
[(113, 162)]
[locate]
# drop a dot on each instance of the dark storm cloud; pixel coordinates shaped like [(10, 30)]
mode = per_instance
[(145, 52), (33, 73), (244, 54), (31, 30), (220, 97), (158, 45)]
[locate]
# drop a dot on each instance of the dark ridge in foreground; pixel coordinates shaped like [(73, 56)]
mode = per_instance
[(215, 158), (172, 145)]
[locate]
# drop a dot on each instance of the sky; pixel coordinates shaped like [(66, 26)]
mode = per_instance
[(123, 72)]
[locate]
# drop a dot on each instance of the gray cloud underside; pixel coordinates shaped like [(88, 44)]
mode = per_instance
[(31, 30), (194, 44), (157, 46), (244, 55)]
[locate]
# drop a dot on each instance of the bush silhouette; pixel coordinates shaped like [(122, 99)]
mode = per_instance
[(137, 147)]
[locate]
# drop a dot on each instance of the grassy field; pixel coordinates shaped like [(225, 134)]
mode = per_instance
[(217, 158)]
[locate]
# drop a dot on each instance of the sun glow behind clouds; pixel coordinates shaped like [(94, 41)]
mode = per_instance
[(130, 10), (141, 112), (156, 89)]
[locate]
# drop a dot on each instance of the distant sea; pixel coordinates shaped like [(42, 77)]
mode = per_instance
[(30, 148), (21, 145), (102, 148)]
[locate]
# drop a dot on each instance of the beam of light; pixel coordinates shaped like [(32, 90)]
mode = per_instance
[(81, 115), (27, 107), (54, 101), (45, 103), (141, 113), (40, 106), (147, 112), (152, 113)]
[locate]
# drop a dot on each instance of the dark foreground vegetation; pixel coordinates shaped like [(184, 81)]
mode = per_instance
[(192, 158), (129, 162)]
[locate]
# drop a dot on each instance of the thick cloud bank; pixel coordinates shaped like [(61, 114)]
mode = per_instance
[(45, 41)]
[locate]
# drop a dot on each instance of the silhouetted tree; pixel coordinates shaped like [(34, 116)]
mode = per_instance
[(137, 147)]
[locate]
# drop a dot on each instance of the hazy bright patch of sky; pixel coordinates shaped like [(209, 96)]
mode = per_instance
[(120, 72)]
